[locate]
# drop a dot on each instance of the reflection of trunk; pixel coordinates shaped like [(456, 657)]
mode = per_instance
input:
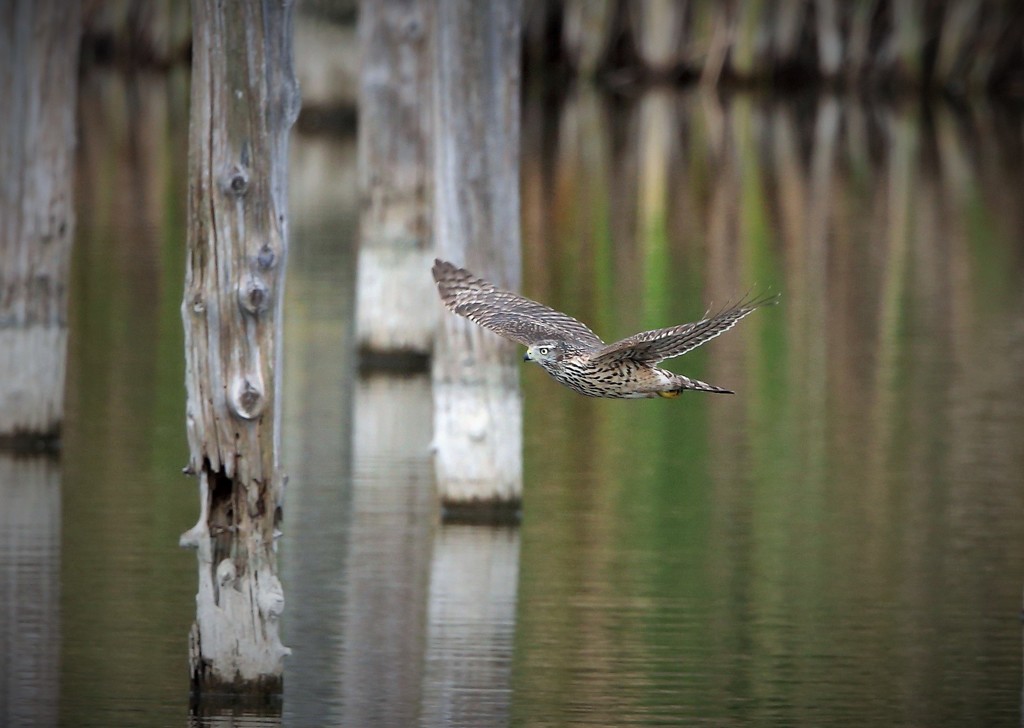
[(397, 309), (317, 414), (29, 590), (244, 100), (478, 414), (470, 626), (656, 160), (393, 513), (39, 55)]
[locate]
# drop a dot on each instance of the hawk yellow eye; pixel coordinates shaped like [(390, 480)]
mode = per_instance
[(543, 351)]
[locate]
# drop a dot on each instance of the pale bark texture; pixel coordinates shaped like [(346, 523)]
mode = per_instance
[(244, 100), (39, 42), (396, 311), (478, 410)]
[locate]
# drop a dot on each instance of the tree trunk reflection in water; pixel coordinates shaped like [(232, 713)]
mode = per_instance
[(317, 429), (393, 511), (470, 626), (858, 490), (29, 590)]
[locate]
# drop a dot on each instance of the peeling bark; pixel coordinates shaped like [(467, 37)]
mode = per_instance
[(478, 410), (244, 101), (39, 42)]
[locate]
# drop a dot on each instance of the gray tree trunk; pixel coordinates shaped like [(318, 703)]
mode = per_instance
[(396, 304), (244, 101), (586, 32), (477, 407), (39, 42), (658, 33)]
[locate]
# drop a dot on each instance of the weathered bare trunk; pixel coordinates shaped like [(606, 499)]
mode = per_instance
[(586, 31), (659, 33), (38, 86), (244, 100), (326, 66), (396, 306), (478, 411)]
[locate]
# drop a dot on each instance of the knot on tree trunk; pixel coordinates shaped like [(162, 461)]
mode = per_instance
[(235, 180), (253, 295), (247, 398), (265, 259)]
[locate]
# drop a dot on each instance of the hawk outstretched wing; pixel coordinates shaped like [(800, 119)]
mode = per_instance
[(505, 313), (651, 347)]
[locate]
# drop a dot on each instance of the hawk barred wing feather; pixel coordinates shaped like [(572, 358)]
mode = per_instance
[(573, 354), (660, 344), (513, 316)]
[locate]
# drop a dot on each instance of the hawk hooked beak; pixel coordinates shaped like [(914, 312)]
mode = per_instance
[(527, 357)]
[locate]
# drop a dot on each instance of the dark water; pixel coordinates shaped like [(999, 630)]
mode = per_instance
[(837, 544)]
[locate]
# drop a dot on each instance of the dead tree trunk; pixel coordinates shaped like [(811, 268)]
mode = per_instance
[(396, 311), (658, 34), (38, 86), (478, 411), (586, 31), (244, 100)]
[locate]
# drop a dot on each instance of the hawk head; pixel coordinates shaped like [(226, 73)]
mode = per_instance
[(545, 352)]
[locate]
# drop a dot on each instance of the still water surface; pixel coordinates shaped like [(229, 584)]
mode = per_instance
[(839, 544)]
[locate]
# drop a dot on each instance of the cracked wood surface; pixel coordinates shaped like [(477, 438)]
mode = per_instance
[(244, 101)]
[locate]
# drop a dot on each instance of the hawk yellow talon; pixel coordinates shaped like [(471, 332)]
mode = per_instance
[(668, 395)]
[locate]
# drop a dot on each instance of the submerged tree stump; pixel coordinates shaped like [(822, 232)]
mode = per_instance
[(477, 408), (244, 100), (39, 42), (396, 304)]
